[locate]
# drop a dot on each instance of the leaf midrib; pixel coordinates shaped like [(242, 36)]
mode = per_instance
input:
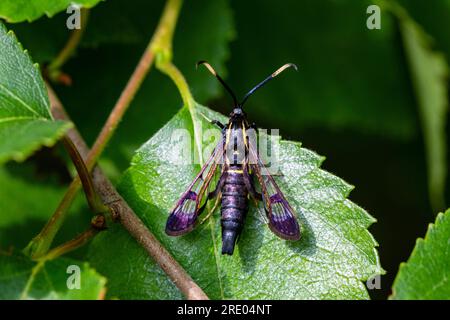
[(11, 119), (23, 103)]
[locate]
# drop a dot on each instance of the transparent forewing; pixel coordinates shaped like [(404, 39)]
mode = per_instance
[(183, 217), (282, 219)]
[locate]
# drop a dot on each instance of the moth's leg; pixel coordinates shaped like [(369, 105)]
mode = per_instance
[(218, 123), (255, 195), (250, 186), (217, 192), (202, 208), (213, 209), (219, 186), (211, 195)]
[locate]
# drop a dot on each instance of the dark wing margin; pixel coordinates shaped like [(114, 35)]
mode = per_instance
[(184, 215), (282, 219)]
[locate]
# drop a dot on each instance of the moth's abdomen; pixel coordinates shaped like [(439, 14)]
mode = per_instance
[(234, 208)]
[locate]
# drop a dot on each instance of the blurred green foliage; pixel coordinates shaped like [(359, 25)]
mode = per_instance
[(346, 70)]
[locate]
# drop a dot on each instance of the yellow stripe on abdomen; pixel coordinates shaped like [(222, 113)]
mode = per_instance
[(235, 171)]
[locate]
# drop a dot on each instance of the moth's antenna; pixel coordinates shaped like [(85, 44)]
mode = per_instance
[(211, 69), (273, 75)]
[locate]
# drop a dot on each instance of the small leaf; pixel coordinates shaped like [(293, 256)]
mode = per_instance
[(21, 278), (25, 119), (335, 253), (426, 275), (26, 10), (429, 73)]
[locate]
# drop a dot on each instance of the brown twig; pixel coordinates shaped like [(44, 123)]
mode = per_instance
[(159, 46), (54, 68), (128, 218), (91, 194), (71, 245)]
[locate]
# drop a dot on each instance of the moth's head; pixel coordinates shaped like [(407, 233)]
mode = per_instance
[(237, 112)]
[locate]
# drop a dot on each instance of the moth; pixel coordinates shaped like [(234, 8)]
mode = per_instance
[(238, 162)]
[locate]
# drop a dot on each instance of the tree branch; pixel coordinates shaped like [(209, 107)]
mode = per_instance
[(160, 46), (71, 245), (126, 216)]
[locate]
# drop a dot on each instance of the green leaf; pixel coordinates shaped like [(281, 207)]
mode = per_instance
[(434, 17), (21, 278), (426, 275), (429, 73), (335, 254), (26, 10), (25, 119)]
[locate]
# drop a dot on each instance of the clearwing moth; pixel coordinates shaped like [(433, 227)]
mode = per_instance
[(238, 163)]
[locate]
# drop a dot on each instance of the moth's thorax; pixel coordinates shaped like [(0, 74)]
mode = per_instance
[(236, 141)]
